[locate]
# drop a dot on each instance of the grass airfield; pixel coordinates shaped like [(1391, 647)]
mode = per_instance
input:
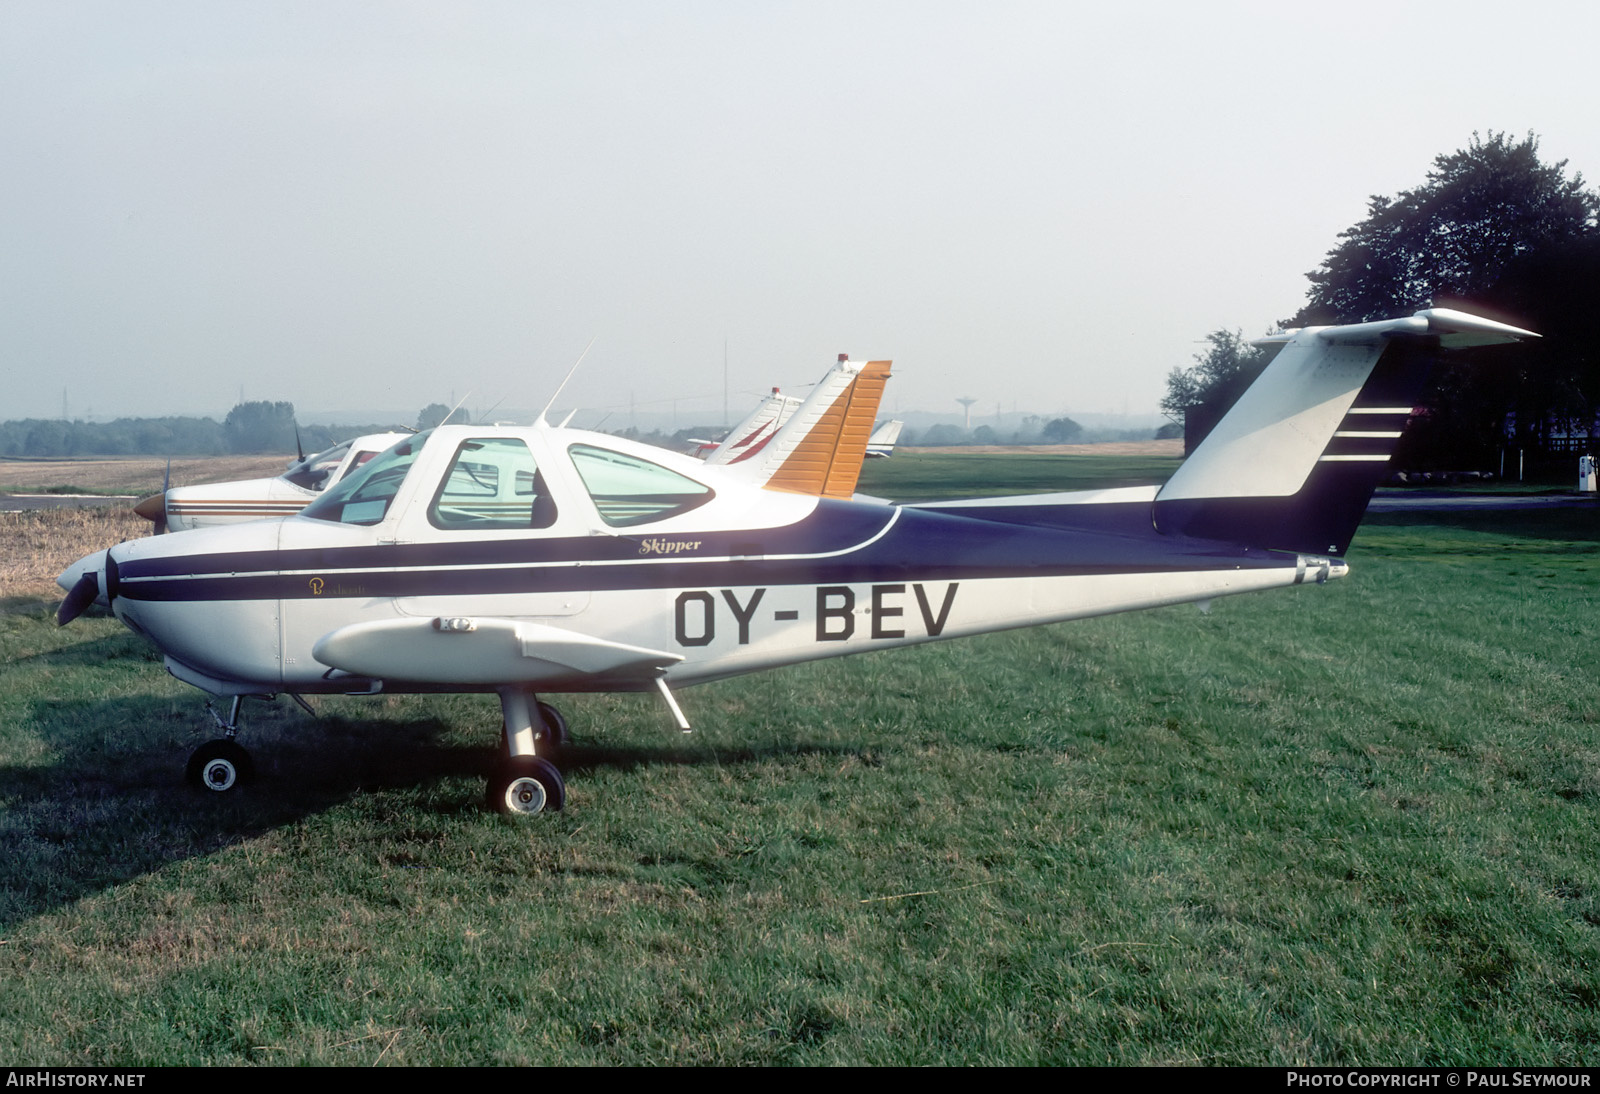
[(1355, 824)]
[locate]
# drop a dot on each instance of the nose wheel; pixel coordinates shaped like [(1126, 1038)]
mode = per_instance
[(219, 766)]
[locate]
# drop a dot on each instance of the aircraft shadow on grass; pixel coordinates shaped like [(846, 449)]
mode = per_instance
[(114, 806)]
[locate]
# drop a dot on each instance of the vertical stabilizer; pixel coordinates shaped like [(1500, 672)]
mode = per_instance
[(746, 440), (820, 450)]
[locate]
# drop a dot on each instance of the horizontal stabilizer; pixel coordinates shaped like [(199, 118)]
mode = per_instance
[(486, 651)]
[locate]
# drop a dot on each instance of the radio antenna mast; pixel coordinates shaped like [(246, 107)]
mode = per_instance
[(564, 380)]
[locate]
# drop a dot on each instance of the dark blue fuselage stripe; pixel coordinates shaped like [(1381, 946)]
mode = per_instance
[(923, 546), (511, 582)]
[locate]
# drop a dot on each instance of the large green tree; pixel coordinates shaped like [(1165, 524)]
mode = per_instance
[(1453, 238), (1492, 229)]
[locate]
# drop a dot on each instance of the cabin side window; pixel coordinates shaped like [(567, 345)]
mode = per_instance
[(627, 490), (364, 496), (492, 482)]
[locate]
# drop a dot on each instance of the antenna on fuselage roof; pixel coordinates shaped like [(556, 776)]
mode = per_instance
[(483, 417), (446, 419), (540, 420)]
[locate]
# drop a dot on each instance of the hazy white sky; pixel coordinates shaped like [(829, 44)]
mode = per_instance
[(351, 205)]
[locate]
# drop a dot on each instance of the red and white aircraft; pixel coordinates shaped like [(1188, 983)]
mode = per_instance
[(523, 561)]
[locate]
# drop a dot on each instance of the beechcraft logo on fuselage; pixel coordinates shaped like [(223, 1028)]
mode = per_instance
[(698, 613)]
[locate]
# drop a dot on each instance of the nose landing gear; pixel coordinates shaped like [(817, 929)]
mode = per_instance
[(221, 764)]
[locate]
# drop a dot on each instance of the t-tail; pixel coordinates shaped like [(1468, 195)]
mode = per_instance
[(1293, 465)]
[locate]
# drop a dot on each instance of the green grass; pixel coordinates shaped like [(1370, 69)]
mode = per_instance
[(1356, 824), (950, 474)]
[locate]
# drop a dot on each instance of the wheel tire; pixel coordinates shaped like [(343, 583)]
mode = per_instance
[(220, 766), (523, 786), (557, 737), (557, 724)]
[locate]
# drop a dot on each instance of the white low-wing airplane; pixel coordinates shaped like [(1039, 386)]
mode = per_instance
[(539, 559), (180, 508)]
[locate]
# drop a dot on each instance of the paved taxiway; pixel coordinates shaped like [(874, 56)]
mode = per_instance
[(1400, 501)]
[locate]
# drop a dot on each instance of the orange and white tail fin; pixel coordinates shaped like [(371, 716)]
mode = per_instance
[(819, 450)]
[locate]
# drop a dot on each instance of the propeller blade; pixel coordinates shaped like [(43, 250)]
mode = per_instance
[(79, 597)]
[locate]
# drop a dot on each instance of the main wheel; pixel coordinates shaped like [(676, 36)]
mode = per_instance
[(220, 765), (554, 732), (556, 723), (524, 785)]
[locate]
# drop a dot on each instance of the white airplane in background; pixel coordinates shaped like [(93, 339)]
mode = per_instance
[(180, 508), (523, 561)]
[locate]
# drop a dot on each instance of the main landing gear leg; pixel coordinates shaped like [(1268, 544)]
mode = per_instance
[(221, 764), (524, 783)]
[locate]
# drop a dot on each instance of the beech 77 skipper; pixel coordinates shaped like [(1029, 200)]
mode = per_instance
[(532, 560)]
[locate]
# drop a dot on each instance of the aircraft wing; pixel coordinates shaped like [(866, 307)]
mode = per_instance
[(487, 650)]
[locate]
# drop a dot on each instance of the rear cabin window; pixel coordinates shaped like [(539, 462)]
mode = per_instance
[(492, 483), (627, 490)]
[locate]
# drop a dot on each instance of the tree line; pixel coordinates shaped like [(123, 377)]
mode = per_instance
[(1493, 230), (248, 429)]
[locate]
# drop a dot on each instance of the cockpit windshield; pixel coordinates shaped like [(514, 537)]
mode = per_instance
[(364, 495), (312, 473)]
